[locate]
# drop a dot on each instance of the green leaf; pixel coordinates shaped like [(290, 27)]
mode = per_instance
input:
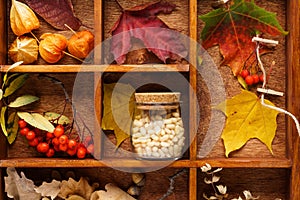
[(232, 28), (1, 94), (37, 120), (15, 84), (12, 127), (57, 118), (2, 116), (22, 101)]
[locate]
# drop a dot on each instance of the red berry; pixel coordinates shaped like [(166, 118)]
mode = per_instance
[(63, 147), (22, 123), (24, 131), (261, 78), (49, 135), (81, 152), (55, 142), (56, 148), (249, 80), (80, 145), (42, 147), (63, 139), (244, 73), (33, 142), (59, 130), (72, 144), (30, 135), (50, 153), (255, 78), (90, 149), (72, 152)]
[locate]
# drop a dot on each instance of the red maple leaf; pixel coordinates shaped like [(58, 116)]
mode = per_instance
[(141, 22), (233, 28)]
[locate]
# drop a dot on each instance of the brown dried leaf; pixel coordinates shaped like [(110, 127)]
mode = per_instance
[(81, 188), (57, 13), (19, 187), (24, 49), (49, 189), (22, 18)]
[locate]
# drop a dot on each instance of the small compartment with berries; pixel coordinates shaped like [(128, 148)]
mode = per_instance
[(41, 118)]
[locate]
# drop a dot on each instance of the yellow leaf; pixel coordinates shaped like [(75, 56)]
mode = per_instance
[(118, 110), (247, 118)]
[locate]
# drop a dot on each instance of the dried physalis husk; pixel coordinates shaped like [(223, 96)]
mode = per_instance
[(24, 49), (52, 46), (22, 18), (81, 44)]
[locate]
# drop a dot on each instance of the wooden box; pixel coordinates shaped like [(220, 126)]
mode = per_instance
[(252, 168)]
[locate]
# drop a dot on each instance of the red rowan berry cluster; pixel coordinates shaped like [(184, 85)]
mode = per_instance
[(49, 143), (251, 79)]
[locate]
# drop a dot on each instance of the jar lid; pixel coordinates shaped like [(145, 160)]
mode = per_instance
[(157, 97)]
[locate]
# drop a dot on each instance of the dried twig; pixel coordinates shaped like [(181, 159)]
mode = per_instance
[(172, 183)]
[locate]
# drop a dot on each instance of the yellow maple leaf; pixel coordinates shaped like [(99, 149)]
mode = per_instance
[(118, 108), (247, 118)]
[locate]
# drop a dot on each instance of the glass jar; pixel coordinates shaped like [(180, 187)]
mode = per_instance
[(157, 130)]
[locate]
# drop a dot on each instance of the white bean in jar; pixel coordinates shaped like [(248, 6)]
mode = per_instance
[(158, 134)]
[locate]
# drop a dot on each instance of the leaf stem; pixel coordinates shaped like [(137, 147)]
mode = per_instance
[(72, 56), (66, 25), (38, 41), (119, 5)]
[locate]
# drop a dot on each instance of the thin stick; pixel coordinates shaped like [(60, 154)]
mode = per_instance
[(66, 25), (35, 37), (172, 183), (118, 3), (68, 54)]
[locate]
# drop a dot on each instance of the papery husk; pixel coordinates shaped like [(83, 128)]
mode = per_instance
[(52, 47), (81, 44), (22, 18), (24, 49)]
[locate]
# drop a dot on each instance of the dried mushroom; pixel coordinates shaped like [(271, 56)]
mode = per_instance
[(81, 44), (22, 18), (24, 49), (52, 47)]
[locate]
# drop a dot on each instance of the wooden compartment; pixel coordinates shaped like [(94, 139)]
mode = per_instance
[(252, 168)]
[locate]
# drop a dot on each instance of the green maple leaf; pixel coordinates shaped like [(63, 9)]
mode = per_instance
[(118, 109), (232, 28), (247, 118)]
